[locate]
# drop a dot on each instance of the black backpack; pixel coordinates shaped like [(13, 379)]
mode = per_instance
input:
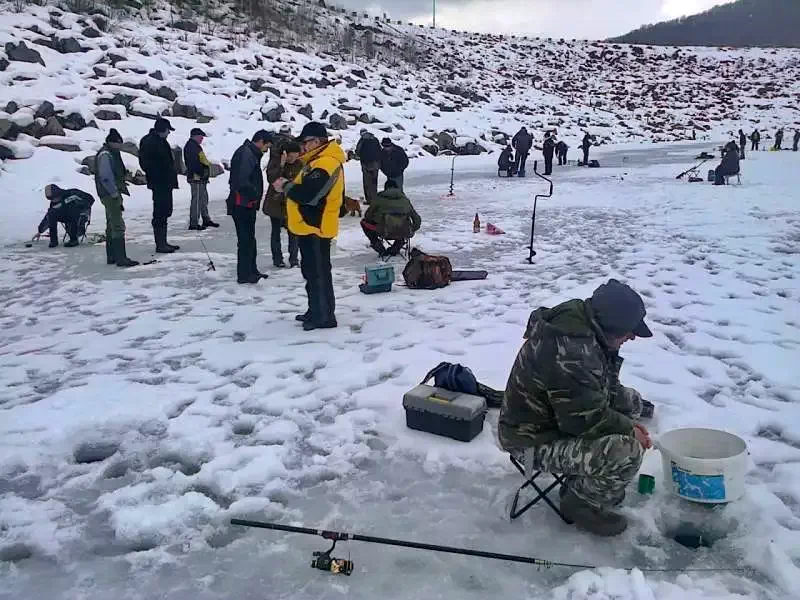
[(458, 378)]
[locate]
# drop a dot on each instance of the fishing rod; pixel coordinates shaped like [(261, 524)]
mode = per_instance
[(694, 168), (325, 562), (532, 252)]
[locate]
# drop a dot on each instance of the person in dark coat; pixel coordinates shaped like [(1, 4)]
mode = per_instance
[(755, 138), (561, 152), (71, 207), (778, 139), (394, 161), (506, 161), (289, 167), (742, 143), (109, 180), (198, 172), (246, 189), (158, 164), (368, 151), (729, 165), (585, 145), (796, 140), (522, 143), (548, 149), (391, 217)]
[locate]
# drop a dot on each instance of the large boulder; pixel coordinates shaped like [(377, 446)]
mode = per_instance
[(105, 114), (337, 121), (6, 153), (307, 111), (445, 140), (166, 93), (272, 112), (12, 107), (185, 25), (60, 143), (188, 111), (45, 110), (21, 53), (74, 121), (8, 129), (130, 148), (91, 32), (68, 46), (53, 127), (4, 64)]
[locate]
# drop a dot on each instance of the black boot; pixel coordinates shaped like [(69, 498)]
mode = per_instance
[(121, 255), (160, 235), (209, 223), (110, 260), (173, 246)]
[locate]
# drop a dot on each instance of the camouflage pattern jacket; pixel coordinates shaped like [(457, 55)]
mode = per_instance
[(565, 382)]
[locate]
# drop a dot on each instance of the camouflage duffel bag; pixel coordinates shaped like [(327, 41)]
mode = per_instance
[(427, 272)]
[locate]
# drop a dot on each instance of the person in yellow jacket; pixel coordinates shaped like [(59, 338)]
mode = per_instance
[(313, 201)]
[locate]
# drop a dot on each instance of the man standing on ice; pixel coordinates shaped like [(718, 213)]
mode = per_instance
[(548, 149), (158, 164), (522, 143), (796, 140), (198, 172), (565, 411), (368, 151), (585, 145), (742, 143), (755, 138), (313, 201), (246, 189)]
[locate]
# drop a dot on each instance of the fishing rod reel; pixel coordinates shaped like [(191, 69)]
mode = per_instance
[(325, 562)]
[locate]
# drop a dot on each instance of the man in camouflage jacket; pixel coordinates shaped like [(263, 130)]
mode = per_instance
[(565, 410)]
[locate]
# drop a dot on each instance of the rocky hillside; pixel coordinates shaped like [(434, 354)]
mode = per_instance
[(69, 76), (744, 23)]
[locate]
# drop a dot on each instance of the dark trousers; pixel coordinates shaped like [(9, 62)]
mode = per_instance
[(376, 241), (71, 221), (519, 162), (562, 158), (754, 147), (548, 164), (369, 172), (586, 156), (275, 243), (741, 152), (720, 173), (245, 221), (315, 264), (162, 206), (794, 146)]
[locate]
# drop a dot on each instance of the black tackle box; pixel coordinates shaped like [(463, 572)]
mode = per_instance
[(442, 412)]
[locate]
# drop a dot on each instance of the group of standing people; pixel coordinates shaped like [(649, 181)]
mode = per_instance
[(514, 157), (755, 141), (385, 157)]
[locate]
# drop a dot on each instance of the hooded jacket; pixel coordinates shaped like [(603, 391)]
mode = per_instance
[(70, 204), (307, 213), (565, 382), (522, 141), (391, 204)]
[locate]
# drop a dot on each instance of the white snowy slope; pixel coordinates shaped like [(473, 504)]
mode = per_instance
[(140, 410)]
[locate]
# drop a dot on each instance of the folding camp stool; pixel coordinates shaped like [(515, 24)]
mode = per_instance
[(541, 494), (738, 179)]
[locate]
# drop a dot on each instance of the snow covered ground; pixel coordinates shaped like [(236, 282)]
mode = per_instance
[(200, 400)]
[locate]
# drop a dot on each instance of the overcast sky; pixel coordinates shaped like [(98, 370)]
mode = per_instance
[(593, 19)]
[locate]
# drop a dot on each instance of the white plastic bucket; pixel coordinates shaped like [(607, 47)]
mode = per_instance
[(704, 465)]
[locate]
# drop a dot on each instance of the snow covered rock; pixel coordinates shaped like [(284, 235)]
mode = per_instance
[(185, 25), (20, 149), (105, 114), (337, 122), (91, 32), (272, 111), (53, 127), (20, 52), (188, 111), (307, 111), (166, 93), (45, 110), (68, 46), (64, 144), (8, 129), (74, 121), (92, 452)]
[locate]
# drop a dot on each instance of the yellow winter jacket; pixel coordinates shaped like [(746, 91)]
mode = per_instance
[(308, 220)]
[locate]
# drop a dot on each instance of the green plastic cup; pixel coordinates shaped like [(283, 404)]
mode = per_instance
[(647, 484)]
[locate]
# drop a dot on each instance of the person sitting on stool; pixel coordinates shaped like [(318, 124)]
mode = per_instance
[(729, 165), (506, 162), (71, 207), (390, 217)]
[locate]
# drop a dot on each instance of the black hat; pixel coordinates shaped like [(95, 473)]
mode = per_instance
[(113, 137), (162, 125), (313, 130), (290, 147), (620, 310), (386, 142), (197, 131)]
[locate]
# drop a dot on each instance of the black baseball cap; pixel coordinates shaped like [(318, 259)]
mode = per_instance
[(162, 125), (313, 130), (620, 310), (197, 131)]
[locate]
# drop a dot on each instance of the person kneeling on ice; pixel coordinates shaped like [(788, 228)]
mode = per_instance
[(565, 411), (71, 207), (506, 161), (390, 217), (729, 165)]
